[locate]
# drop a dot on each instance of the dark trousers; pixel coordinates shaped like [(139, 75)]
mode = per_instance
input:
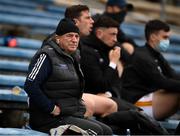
[(86, 124)]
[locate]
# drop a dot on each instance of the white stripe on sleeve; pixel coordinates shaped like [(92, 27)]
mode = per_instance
[(37, 67)]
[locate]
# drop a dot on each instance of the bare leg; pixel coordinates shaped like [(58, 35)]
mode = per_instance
[(90, 105), (165, 103), (98, 105)]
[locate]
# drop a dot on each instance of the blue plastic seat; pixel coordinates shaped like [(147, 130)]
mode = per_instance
[(20, 132), (11, 65), (17, 52), (12, 80)]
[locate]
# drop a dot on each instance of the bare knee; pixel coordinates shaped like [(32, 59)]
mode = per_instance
[(105, 106), (164, 104), (111, 107), (98, 105), (89, 104)]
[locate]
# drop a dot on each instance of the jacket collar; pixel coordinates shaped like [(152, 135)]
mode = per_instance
[(94, 42), (152, 51)]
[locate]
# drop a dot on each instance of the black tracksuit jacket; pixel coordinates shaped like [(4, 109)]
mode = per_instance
[(54, 78), (99, 76), (147, 72)]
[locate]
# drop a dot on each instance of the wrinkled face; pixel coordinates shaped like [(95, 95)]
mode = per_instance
[(107, 35), (69, 42), (84, 23), (158, 36)]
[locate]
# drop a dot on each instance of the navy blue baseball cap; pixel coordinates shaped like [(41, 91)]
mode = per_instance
[(120, 3)]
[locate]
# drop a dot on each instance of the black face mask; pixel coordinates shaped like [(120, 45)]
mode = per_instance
[(119, 17)]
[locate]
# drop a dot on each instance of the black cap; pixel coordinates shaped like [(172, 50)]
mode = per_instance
[(66, 26), (121, 4)]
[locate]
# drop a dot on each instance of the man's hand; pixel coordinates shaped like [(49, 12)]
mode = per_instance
[(56, 111), (114, 55)]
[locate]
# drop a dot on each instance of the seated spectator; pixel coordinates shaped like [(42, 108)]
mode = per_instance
[(149, 72), (117, 10), (100, 59), (55, 84)]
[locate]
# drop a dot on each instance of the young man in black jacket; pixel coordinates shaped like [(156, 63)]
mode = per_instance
[(148, 72), (100, 58), (55, 84)]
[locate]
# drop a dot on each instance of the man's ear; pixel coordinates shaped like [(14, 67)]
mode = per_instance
[(99, 33), (75, 21), (153, 37), (57, 39)]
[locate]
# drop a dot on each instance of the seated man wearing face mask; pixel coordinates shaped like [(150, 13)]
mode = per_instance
[(149, 72), (117, 10)]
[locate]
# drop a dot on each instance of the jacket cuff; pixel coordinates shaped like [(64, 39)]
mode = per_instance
[(112, 65), (53, 109)]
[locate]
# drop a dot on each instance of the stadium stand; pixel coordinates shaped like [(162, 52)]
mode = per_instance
[(14, 61)]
